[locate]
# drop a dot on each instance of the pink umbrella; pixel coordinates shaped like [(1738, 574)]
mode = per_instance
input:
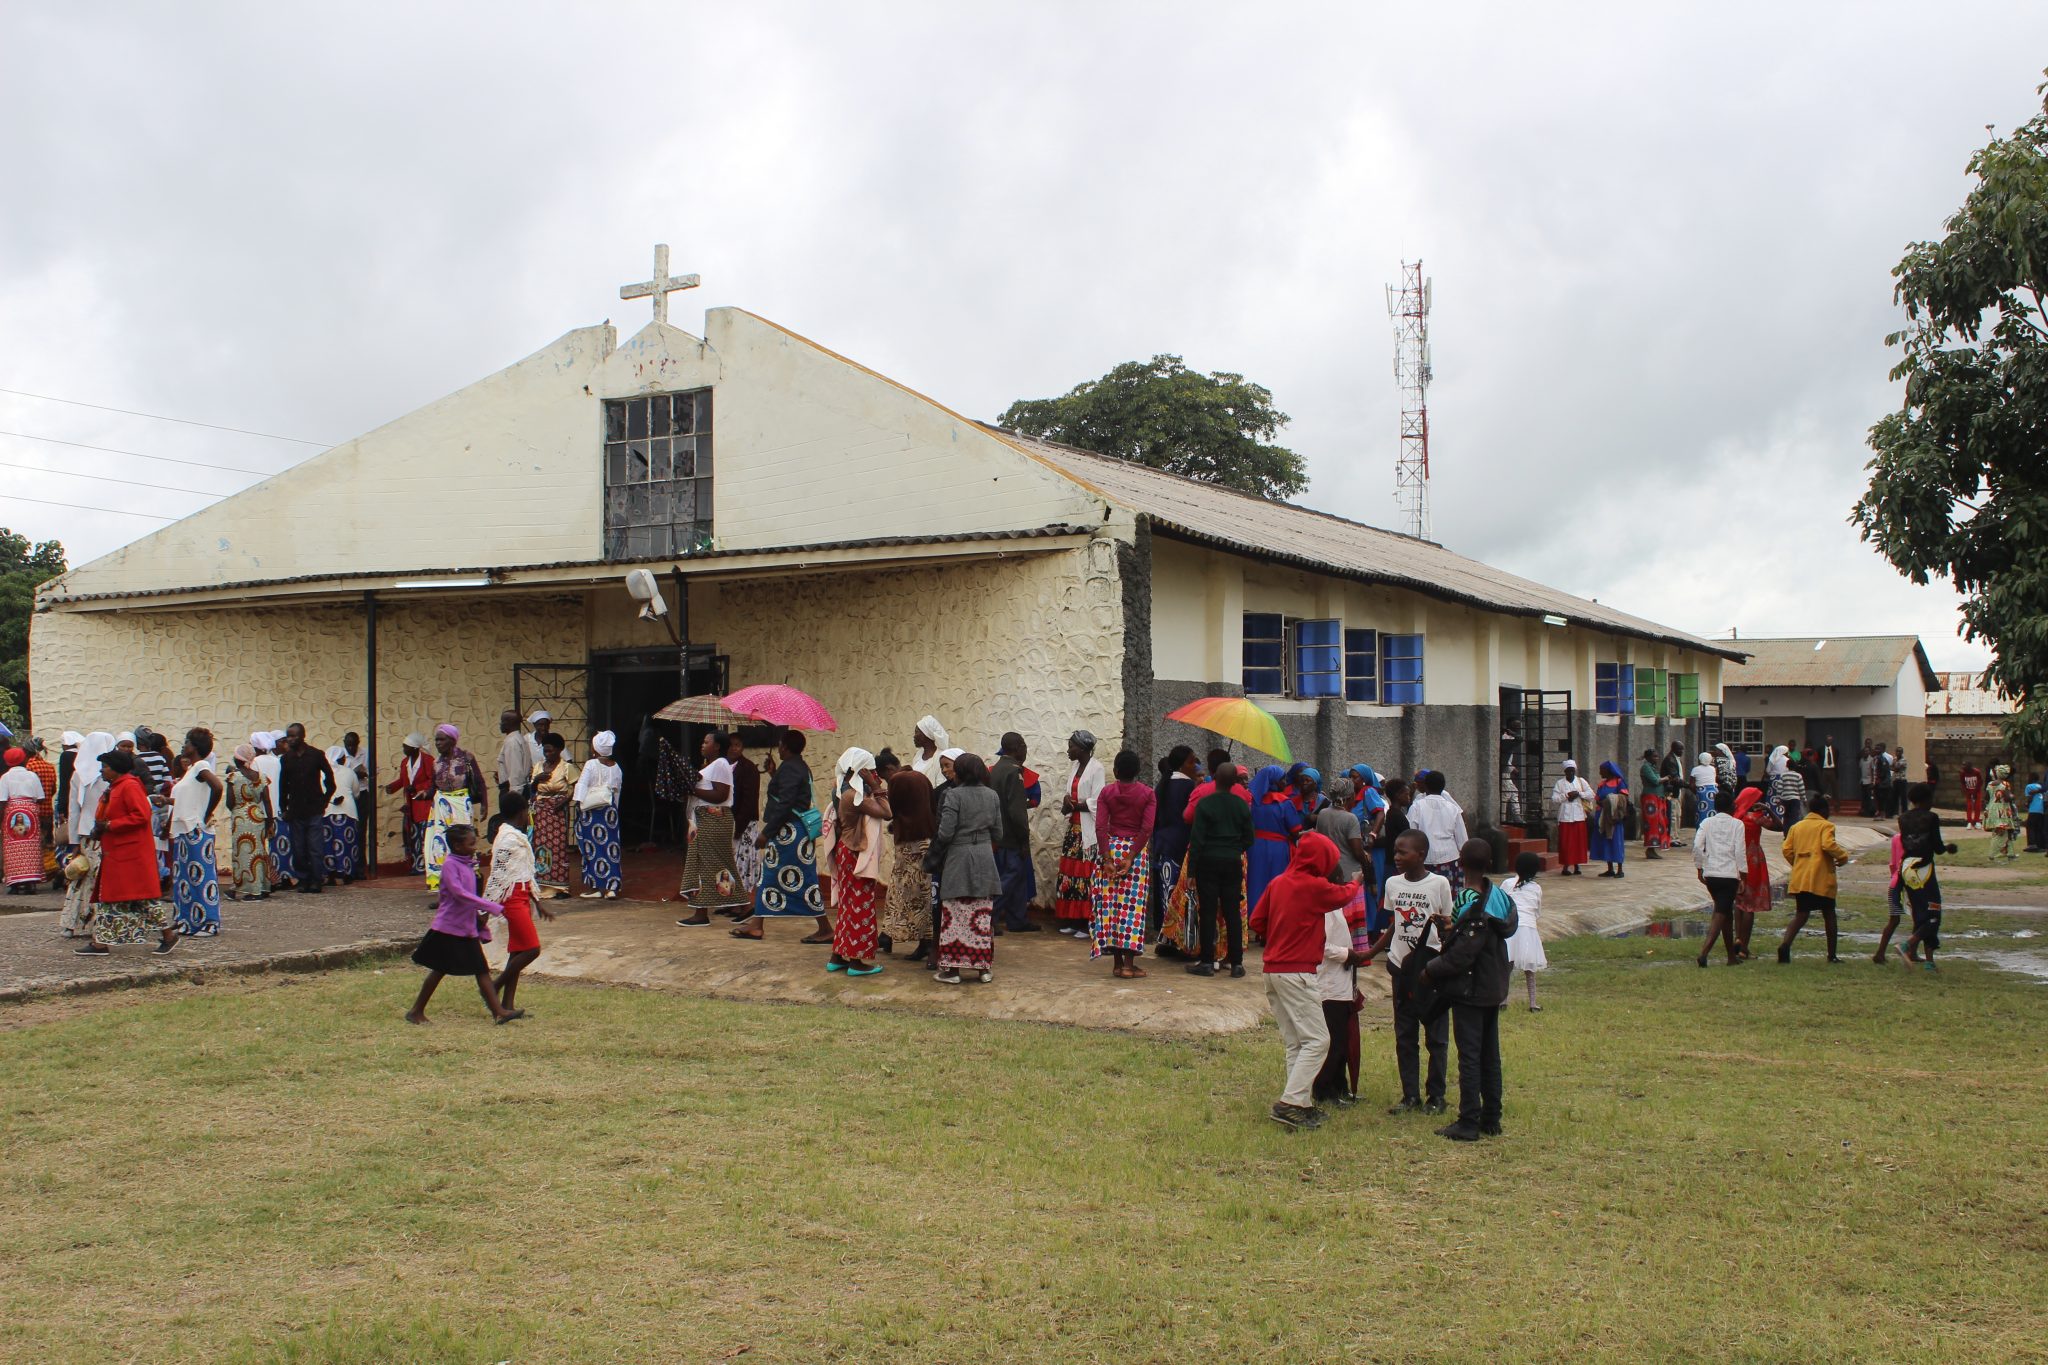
[(780, 705)]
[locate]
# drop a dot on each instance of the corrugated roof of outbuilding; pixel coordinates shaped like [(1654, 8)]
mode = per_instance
[(1831, 661)]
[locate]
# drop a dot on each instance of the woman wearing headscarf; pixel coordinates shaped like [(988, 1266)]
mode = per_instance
[(195, 866), (46, 809), (930, 740), (415, 787), (968, 881), (82, 871), (67, 767), (1656, 819), (1371, 807), (1753, 892), (1705, 781), (1073, 895), (21, 828), (855, 846), (1608, 841), (554, 800), (597, 818), (1725, 776), (458, 797), (268, 766), (1787, 788), (249, 816), (1276, 823), (340, 827), (130, 894), (1571, 794), (1123, 823)]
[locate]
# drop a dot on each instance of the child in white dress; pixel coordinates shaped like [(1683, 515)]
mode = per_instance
[(1525, 949)]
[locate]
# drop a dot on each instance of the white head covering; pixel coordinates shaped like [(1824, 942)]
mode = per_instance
[(537, 717), (930, 728), (1706, 760), (338, 756), (851, 762), (1571, 763), (415, 740), (602, 742), (1779, 763), (71, 740), (951, 753), (125, 737), (90, 751)]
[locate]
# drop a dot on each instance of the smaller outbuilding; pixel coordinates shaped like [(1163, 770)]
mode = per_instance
[(1831, 692)]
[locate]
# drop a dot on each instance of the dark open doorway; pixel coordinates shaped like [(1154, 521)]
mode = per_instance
[(626, 688), (1846, 737)]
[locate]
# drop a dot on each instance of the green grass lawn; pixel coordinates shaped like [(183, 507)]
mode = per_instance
[(1764, 1162)]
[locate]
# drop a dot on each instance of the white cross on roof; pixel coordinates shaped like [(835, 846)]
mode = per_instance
[(661, 286)]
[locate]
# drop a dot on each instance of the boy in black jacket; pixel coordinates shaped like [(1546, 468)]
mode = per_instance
[(1473, 973)]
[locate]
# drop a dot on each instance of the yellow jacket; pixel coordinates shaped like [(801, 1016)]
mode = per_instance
[(1811, 849)]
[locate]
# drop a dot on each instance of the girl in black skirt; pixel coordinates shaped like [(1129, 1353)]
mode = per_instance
[(453, 945)]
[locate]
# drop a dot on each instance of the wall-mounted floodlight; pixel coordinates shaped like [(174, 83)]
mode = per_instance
[(481, 582), (1552, 619)]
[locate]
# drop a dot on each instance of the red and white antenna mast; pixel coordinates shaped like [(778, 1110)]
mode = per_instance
[(1408, 305)]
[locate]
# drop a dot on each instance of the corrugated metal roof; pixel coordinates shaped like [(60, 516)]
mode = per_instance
[(1830, 661), (620, 565), (1320, 543)]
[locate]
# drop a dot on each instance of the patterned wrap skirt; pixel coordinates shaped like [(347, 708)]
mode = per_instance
[(597, 841), (1656, 823), (21, 842), (789, 875), (747, 857), (78, 895), (282, 868), (450, 808), (711, 879), (339, 845), (195, 884), (908, 918), (414, 835), (1118, 922), (1074, 893), (966, 937), (115, 922), (551, 841), (1181, 926), (854, 901), (250, 856)]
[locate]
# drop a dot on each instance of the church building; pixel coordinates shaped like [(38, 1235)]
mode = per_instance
[(813, 522)]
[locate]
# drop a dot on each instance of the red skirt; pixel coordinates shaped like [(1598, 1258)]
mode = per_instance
[(1571, 842), (520, 933), (854, 927), (1656, 824)]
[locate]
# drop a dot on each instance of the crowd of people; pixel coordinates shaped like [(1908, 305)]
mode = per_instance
[(931, 860)]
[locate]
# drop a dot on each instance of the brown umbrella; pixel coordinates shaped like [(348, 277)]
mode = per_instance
[(704, 710)]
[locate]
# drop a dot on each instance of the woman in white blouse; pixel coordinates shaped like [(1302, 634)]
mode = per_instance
[(597, 818)]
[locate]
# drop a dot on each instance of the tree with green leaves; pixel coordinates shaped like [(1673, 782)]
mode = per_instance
[(1215, 427), (1959, 485), (23, 568)]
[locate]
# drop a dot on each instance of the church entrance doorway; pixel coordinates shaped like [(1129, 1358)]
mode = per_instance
[(1845, 736), (626, 688)]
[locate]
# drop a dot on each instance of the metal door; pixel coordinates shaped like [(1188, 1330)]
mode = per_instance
[(1535, 735), (561, 690)]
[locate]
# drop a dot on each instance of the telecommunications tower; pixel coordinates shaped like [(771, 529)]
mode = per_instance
[(1408, 306)]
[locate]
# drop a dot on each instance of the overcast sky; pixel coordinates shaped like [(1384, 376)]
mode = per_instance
[(1660, 243)]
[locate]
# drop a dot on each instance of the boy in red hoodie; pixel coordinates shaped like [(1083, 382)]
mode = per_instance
[(1289, 916)]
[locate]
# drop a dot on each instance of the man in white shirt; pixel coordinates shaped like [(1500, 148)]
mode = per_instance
[(1571, 794), (515, 757), (1720, 856), (1418, 904), (1442, 821)]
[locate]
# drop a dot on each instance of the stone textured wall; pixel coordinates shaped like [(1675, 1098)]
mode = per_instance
[(235, 671)]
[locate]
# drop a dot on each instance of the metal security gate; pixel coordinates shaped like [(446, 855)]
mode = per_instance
[(1535, 735), (1710, 726), (561, 690)]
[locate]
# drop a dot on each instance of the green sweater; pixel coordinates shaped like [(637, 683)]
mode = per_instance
[(1222, 831)]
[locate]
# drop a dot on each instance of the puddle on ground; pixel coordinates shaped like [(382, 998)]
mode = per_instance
[(2032, 965)]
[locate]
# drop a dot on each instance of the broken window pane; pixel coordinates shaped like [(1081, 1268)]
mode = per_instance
[(615, 421)]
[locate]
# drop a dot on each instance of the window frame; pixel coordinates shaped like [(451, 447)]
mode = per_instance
[(1614, 688), (1247, 641), (1651, 691), (1683, 685), (640, 437), (1394, 649), (1361, 665)]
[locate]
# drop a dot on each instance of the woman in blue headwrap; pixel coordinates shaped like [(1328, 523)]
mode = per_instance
[(1308, 792), (1371, 810), (1607, 830), (1276, 820)]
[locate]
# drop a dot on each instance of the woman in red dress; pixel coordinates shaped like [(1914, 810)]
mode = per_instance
[(851, 846), (1753, 892), (129, 900)]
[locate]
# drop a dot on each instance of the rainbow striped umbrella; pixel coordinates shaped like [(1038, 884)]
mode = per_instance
[(1238, 719)]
